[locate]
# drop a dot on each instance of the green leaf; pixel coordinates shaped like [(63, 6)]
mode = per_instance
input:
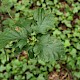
[(40, 77), (9, 22), (15, 63), (10, 35), (8, 67), (1, 75), (29, 75), (73, 52), (71, 63), (67, 43), (39, 15), (78, 46), (2, 56), (67, 23), (25, 23), (55, 1), (2, 68), (41, 62), (48, 48), (78, 61), (76, 74), (22, 22), (21, 43), (44, 22)]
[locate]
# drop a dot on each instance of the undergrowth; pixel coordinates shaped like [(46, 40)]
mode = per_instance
[(39, 37)]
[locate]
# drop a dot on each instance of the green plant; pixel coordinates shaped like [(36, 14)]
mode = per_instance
[(19, 16), (44, 45), (13, 68)]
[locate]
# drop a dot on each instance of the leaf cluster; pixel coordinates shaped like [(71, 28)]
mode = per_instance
[(60, 19)]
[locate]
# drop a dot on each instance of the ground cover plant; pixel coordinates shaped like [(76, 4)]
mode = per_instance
[(39, 39)]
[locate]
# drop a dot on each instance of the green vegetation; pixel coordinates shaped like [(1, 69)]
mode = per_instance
[(38, 37)]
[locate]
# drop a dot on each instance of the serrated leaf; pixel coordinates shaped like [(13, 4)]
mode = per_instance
[(25, 23), (44, 22), (22, 22), (21, 43), (39, 15), (10, 35), (49, 48)]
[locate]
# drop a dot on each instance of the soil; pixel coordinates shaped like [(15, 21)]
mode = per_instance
[(64, 74)]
